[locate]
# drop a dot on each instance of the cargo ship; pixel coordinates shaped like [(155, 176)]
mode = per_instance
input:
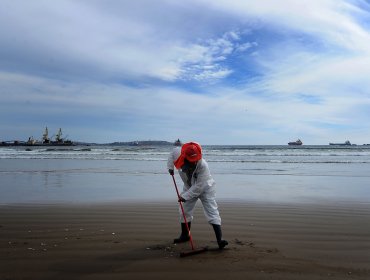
[(347, 143), (296, 143)]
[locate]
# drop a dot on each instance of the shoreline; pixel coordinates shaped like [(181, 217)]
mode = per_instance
[(302, 202), (134, 241)]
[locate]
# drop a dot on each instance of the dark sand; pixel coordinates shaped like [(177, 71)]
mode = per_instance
[(134, 241)]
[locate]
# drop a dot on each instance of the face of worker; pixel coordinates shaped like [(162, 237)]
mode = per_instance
[(188, 166), (191, 164)]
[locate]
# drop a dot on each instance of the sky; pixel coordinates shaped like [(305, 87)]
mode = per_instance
[(212, 71)]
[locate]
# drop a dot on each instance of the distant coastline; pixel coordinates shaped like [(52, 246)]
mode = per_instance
[(143, 143), (132, 143), (76, 143)]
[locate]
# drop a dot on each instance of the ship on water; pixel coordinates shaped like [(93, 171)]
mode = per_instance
[(346, 143), (296, 143), (59, 140), (45, 141)]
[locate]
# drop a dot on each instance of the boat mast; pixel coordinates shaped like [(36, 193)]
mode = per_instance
[(58, 137), (45, 136)]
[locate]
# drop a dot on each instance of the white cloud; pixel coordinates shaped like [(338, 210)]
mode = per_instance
[(330, 20), (80, 35), (78, 58)]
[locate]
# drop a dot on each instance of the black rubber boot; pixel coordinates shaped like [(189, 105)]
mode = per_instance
[(184, 234), (218, 233)]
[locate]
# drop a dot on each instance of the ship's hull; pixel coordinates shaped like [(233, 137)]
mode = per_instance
[(294, 144)]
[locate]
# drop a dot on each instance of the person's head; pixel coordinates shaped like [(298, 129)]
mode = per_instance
[(191, 152)]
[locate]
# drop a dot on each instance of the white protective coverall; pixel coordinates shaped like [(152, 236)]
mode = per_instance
[(203, 188), (173, 156)]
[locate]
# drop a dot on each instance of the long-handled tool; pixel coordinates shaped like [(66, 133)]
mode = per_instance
[(193, 250)]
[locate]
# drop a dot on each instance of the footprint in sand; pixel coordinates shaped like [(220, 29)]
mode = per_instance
[(242, 243)]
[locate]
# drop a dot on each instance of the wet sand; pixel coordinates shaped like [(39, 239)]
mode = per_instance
[(134, 241)]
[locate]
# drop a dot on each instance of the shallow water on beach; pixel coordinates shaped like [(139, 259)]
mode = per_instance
[(82, 174)]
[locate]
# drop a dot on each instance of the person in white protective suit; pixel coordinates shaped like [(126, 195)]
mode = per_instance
[(173, 156), (198, 184)]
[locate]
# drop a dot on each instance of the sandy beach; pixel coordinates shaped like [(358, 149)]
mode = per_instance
[(134, 241)]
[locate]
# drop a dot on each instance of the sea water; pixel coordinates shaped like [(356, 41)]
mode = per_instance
[(85, 174)]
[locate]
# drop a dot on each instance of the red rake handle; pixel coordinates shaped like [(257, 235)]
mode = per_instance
[(183, 213)]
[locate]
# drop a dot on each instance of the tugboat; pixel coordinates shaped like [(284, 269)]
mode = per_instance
[(296, 143), (31, 141)]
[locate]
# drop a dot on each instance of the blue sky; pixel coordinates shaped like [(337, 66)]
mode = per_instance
[(216, 72)]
